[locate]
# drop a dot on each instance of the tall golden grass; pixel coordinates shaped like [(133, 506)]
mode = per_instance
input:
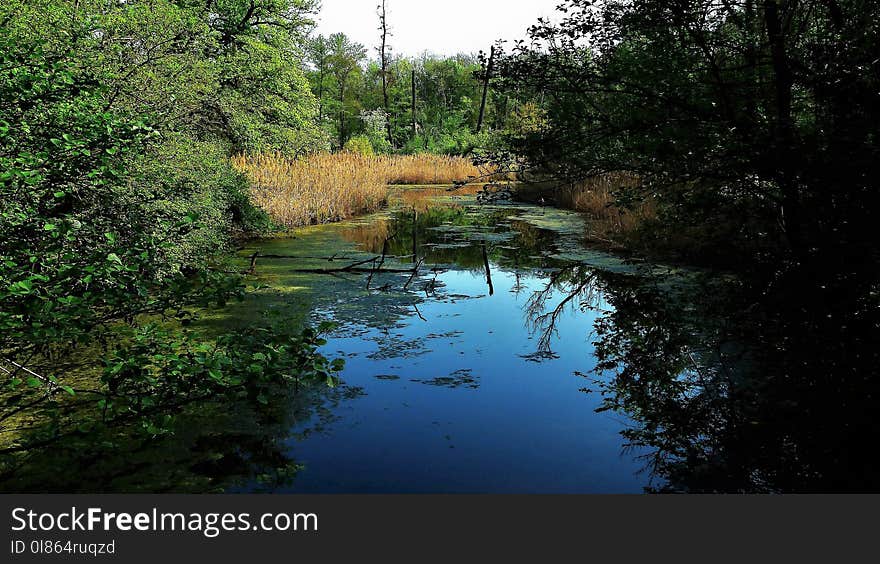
[(597, 198), (428, 169), (318, 189), (331, 187)]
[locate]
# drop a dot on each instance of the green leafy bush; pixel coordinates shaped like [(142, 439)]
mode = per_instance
[(360, 145), (112, 221)]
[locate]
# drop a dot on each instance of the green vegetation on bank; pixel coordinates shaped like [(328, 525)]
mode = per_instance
[(751, 126), (427, 103), (118, 201)]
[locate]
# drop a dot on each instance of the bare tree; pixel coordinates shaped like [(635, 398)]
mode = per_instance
[(384, 50), (488, 75)]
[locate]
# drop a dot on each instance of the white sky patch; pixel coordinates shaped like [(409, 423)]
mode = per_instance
[(442, 27)]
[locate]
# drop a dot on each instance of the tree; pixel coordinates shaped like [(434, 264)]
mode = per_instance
[(117, 199), (318, 50), (490, 66), (264, 101), (732, 114), (384, 51), (345, 60), (236, 20)]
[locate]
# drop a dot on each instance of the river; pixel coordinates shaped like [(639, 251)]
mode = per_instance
[(466, 376), (490, 349)]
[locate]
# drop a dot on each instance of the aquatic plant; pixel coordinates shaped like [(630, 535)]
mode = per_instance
[(331, 187), (429, 169), (318, 189), (613, 219)]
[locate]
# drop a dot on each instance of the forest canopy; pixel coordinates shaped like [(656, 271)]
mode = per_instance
[(753, 124), (118, 201)]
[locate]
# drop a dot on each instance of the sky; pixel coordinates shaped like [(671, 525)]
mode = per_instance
[(442, 27)]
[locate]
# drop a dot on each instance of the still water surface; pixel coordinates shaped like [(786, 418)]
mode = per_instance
[(488, 349), (457, 390)]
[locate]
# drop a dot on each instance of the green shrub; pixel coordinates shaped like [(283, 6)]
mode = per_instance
[(361, 145)]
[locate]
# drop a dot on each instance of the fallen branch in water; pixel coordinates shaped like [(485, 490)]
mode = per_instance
[(415, 272), (18, 367), (348, 269), (52, 388), (353, 267)]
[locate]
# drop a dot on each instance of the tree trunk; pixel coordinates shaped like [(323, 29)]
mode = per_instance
[(786, 172), (341, 117), (489, 69), (384, 55), (321, 94), (414, 125)]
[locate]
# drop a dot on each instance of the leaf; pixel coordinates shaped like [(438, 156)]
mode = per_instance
[(22, 287)]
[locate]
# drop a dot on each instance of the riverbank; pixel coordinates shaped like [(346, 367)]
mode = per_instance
[(621, 219), (609, 225), (326, 188)]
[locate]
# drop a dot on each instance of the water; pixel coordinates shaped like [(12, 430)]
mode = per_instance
[(457, 391), (452, 404), (494, 351)]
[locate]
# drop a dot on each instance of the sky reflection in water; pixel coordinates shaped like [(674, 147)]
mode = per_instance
[(454, 399)]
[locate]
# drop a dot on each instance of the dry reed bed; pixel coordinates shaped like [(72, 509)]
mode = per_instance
[(428, 169), (331, 187), (596, 197), (317, 189)]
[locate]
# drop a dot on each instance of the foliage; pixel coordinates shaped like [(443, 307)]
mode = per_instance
[(158, 368), (375, 123), (117, 196), (265, 100), (65, 266), (352, 90), (735, 116), (361, 145)]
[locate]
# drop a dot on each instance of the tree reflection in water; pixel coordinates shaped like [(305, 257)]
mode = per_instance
[(214, 447), (732, 389)]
